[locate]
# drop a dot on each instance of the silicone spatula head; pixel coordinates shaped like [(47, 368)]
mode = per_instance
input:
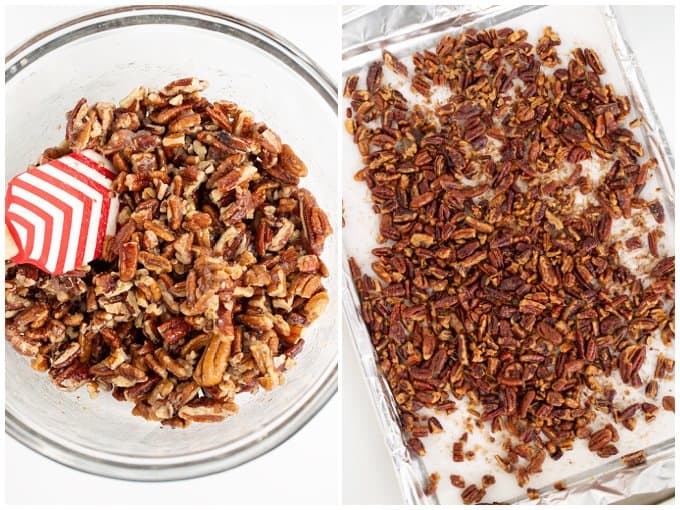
[(58, 214)]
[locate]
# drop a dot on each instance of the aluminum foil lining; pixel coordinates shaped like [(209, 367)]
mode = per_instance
[(404, 29)]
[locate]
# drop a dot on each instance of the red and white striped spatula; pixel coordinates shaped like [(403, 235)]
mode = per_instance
[(57, 214)]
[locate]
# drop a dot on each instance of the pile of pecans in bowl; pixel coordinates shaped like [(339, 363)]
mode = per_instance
[(214, 271), (498, 278)]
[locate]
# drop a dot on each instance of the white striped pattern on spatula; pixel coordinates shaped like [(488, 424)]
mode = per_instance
[(58, 213)]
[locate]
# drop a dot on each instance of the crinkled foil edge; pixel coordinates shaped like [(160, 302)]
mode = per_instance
[(368, 28)]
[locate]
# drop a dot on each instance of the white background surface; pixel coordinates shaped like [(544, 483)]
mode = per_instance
[(368, 475), (302, 470)]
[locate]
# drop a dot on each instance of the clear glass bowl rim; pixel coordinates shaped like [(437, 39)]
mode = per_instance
[(264, 39)]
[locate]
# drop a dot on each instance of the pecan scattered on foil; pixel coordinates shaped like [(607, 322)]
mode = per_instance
[(498, 278), (212, 275)]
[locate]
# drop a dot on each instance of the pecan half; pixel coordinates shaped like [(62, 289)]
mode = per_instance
[(213, 363)]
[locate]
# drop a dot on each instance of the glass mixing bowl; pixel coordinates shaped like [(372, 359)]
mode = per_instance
[(103, 56)]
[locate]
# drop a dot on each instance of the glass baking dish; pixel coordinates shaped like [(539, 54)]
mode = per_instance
[(102, 56), (406, 29)]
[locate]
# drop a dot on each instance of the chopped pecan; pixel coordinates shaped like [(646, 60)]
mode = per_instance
[(214, 270), (127, 261), (213, 364), (316, 226), (207, 410), (174, 330), (499, 275)]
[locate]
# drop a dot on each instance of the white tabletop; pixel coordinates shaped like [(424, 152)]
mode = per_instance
[(302, 470), (368, 475)]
